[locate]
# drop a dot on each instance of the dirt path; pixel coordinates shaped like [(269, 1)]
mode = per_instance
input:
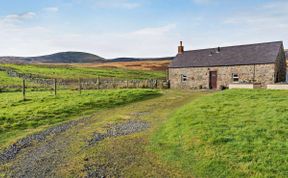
[(114, 142)]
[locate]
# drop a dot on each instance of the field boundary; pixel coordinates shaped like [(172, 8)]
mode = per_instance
[(87, 84)]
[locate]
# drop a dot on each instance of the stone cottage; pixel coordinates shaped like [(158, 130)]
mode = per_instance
[(214, 68)]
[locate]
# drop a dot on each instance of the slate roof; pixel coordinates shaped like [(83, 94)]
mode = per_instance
[(260, 53)]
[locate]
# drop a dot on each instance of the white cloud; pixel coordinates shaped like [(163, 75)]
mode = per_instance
[(267, 22), (268, 14), (51, 9), (146, 42), (16, 18), (114, 4), (125, 4), (202, 1), (155, 30)]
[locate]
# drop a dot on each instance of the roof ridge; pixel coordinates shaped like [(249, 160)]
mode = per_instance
[(257, 53), (253, 44)]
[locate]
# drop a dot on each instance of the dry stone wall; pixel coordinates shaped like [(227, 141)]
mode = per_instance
[(98, 83)]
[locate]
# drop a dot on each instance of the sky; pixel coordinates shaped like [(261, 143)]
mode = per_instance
[(137, 28)]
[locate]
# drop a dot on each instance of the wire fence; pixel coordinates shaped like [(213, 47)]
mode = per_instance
[(29, 82)]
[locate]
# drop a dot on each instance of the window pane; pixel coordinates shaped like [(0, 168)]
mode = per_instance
[(235, 77)]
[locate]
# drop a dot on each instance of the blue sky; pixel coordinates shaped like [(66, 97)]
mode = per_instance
[(137, 28)]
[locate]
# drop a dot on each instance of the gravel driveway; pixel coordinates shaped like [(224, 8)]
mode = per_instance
[(110, 143), (39, 155)]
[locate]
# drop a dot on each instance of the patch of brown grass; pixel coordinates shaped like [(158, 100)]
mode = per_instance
[(134, 65)]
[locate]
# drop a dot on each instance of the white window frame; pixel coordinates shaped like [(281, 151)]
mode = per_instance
[(184, 78), (235, 77)]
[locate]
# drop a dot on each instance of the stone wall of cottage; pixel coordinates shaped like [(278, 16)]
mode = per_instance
[(198, 77)]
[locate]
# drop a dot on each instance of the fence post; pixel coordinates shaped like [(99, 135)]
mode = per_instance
[(55, 86), (113, 83), (98, 82), (167, 74), (134, 84), (156, 84), (127, 84), (80, 86), (24, 89)]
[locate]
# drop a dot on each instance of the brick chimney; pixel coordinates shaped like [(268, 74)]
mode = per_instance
[(181, 48)]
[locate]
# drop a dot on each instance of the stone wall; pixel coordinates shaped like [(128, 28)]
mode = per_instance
[(277, 87), (97, 83), (244, 86), (198, 77), (118, 84)]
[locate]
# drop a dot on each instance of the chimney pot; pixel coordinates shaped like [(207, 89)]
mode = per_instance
[(218, 50), (181, 48)]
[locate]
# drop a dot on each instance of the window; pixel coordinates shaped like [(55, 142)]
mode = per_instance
[(184, 78), (235, 77)]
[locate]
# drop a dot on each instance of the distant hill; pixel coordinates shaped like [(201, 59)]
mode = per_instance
[(9, 59), (74, 57), (63, 57)]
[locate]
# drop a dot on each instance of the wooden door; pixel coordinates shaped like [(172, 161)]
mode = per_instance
[(213, 80)]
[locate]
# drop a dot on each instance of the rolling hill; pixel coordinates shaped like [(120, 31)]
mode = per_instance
[(73, 57), (63, 57), (68, 57)]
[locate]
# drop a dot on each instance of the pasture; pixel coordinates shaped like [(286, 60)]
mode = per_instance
[(8, 83), (75, 72), (132, 65), (43, 109), (235, 133)]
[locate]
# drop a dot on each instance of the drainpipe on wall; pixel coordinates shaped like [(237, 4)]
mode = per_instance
[(254, 74)]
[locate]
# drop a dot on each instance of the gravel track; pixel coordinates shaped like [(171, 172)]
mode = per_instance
[(46, 150), (12, 151), (121, 129), (47, 153)]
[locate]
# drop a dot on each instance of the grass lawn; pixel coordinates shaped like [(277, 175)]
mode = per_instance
[(18, 117), (235, 133), (69, 72)]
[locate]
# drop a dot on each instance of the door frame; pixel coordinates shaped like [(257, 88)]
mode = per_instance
[(211, 86)]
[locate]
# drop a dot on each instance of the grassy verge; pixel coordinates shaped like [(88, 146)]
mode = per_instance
[(236, 133), (43, 109), (69, 72)]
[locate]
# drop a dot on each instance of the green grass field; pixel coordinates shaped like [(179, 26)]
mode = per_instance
[(69, 72), (6, 80), (232, 133), (235, 133), (18, 117), (8, 83)]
